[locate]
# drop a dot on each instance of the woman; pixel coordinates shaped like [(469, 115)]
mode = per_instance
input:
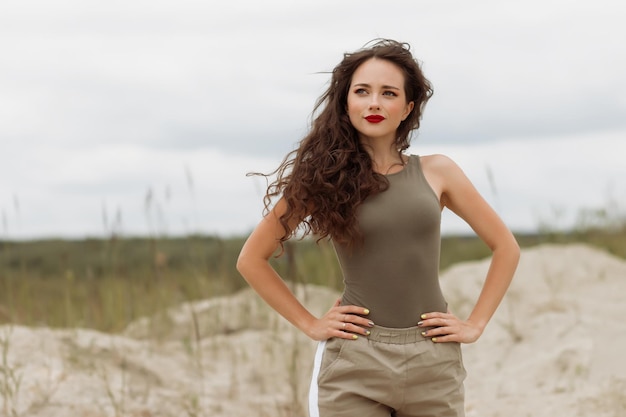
[(389, 346)]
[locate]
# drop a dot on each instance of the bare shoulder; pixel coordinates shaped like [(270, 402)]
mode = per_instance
[(438, 164), (441, 172)]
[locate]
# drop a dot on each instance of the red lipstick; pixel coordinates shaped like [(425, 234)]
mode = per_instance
[(374, 118)]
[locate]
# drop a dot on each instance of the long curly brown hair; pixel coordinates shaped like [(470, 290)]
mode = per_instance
[(325, 179)]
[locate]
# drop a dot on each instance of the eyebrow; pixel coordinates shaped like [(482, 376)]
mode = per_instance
[(384, 86)]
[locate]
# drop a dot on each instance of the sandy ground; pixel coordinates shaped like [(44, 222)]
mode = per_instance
[(555, 347)]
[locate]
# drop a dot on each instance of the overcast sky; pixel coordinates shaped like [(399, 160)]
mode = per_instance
[(144, 116)]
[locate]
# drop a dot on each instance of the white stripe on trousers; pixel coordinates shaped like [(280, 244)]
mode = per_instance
[(314, 410)]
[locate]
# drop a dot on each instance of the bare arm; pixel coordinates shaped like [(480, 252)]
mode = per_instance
[(460, 196), (254, 266)]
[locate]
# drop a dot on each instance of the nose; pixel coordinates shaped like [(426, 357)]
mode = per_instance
[(374, 105)]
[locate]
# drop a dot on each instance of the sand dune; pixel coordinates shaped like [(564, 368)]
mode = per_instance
[(555, 348)]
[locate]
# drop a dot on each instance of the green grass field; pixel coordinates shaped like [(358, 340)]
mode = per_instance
[(104, 284)]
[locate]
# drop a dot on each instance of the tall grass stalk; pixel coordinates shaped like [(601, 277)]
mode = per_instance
[(106, 283), (10, 379)]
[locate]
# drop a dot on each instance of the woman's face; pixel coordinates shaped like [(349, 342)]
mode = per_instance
[(377, 102)]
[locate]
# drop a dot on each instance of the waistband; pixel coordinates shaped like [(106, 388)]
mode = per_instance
[(401, 336)]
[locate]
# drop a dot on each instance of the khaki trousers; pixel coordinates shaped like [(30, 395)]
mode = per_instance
[(392, 372)]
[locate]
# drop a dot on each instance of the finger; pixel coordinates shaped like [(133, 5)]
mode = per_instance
[(361, 311), (345, 335), (438, 331), (352, 328), (438, 321), (444, 339), (343, 318), (436, 315), (357, 320), (432, 323)]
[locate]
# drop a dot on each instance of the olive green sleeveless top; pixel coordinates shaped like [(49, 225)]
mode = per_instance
[(395, 273)]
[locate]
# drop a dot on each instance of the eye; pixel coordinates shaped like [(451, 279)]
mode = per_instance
[(360, 91), (390, 93)]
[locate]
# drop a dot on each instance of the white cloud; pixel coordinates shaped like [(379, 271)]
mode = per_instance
[(537, 178), (191, 191), (66, 192), (103, 100)]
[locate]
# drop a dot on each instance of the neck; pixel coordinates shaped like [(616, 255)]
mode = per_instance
[(385, 159), (379, 148)]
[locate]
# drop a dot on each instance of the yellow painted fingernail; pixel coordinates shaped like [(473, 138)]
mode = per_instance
[(355, 337), (366, 311), (434, 339), (423, 333), (367, 332), (423, 316)]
